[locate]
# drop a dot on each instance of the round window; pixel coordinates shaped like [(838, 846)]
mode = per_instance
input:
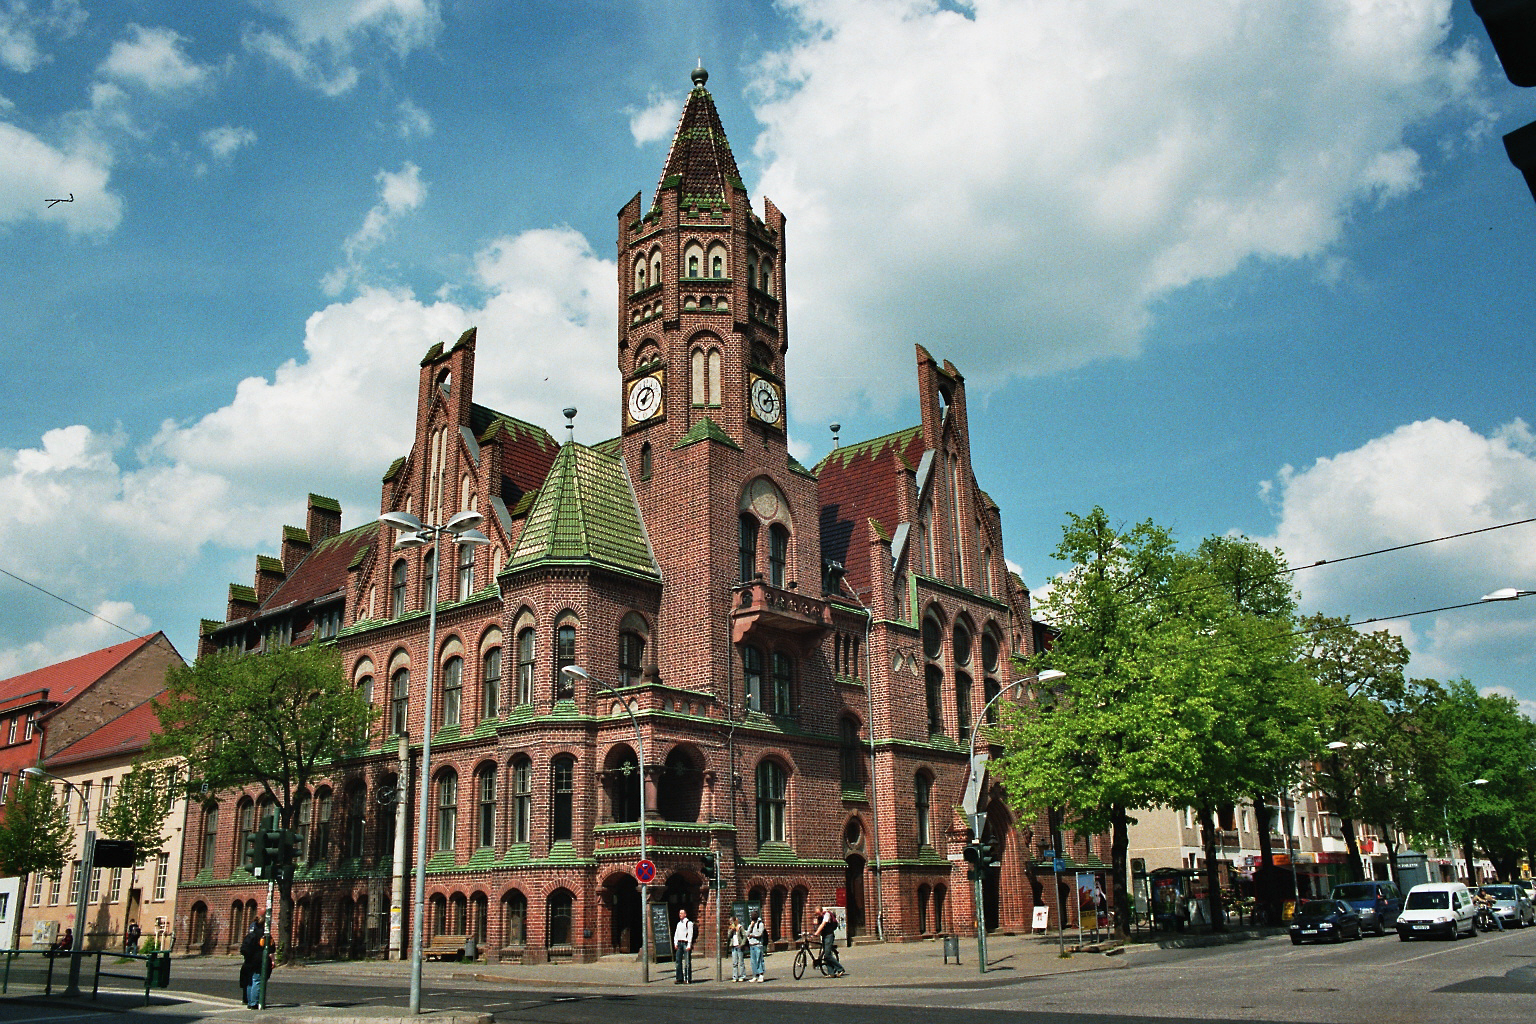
[(933, 638)]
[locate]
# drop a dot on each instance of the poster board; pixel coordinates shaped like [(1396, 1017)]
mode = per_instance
[(1041, 919)]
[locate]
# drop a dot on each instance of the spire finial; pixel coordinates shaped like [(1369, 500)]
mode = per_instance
[(835, 428), (569, 412), (700, 76)]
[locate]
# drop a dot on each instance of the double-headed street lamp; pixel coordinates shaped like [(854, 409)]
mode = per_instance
[(978, 818), (461, 529), (87, 862), (1445, 812), (576, 674)]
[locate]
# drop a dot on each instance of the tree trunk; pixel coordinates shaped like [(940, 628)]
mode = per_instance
[(1356, 867), (1263, 815), (1470, 854), (1392, 857), (1266, 893), (1213, 876), (1120, 845), (284, 934), (21, 901)]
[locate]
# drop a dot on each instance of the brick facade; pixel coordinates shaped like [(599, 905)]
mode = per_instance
[(765, 621)]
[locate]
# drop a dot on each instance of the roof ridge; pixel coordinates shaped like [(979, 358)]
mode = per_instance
[(858, 447)]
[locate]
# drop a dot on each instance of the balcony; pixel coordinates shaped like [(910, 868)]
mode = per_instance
[(761, 608)]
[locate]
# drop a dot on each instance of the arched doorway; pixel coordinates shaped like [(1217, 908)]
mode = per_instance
[(853, 888), (621, 895), (681, 892)]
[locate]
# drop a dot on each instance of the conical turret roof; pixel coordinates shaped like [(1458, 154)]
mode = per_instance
[(700, 159)]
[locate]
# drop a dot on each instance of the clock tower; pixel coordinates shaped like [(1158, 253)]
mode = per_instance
[(701, 346)]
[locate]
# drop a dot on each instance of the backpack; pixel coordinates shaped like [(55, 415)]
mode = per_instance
[(831, 924)]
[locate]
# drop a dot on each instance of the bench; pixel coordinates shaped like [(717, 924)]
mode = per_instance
[(444, 946)]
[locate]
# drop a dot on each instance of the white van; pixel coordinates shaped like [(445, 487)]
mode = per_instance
[(1437, 908)]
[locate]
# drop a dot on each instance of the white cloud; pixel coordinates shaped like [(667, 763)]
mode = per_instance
[(154, 59), (21, 23), (75, 638), (1048, 171), (400, 192), (225, 140), (1429, 479), (413, 123), (656, 119), (320, 39), (34, 171), (1527, 707)]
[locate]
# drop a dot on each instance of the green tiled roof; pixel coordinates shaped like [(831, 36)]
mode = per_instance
[(266, 563), (585, 514), (241, 592), (207, 626), (705, 430), (488, 424), (613, 446), (394, 467), (296, 533), (874, 447), (796, 467), (321, 501)]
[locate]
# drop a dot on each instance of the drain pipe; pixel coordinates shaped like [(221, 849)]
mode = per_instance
[(874, 802)]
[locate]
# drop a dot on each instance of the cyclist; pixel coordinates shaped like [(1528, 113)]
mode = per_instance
[(826, 928)]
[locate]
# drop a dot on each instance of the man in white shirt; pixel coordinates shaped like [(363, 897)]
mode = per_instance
[(682, 948)]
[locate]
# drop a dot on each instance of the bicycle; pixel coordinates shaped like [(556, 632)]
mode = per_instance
[(807, 955)]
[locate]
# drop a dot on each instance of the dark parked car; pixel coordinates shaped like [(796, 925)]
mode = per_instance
[(1377, 903), (1325, 921)]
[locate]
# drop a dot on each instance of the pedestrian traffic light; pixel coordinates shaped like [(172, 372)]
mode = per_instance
[(710, 868), (272, 848), (1511, 26), (974, 854)]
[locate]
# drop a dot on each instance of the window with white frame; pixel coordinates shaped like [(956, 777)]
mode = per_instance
[(162, 875)]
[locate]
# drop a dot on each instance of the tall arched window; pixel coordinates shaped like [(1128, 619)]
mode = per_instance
[(565, 654), (655, 267), (525, 666), (778, 553), (453, 691), (963, 704), (746, 547), (490, 678), (428, 570), (522, 799), (447, 810), (514, 907), (466, 571), (851, 753), (563, 795), (357, 819), (770, 802), (922, 797), (397, 590), (631, 649), (322, 849), (245, 812), (752, 677), (641, 276), (933, 686), (210, 836), (783, 681), (487, 821), (399, 700)]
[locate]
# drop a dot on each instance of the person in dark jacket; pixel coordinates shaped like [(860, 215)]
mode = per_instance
[(251, 951)]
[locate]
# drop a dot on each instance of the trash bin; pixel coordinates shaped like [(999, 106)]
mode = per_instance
[(159, 967), (470, 950), (951, 948)]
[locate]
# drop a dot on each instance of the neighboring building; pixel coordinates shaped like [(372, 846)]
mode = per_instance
[(95, 765), (769, 624), (49, 708)]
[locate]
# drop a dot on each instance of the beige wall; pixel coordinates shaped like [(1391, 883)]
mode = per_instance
[(105, 916)]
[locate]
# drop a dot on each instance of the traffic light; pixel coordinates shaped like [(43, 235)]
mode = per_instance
[(255, 853), (710, 868), (1511, 26), (271, 851), (980, 854)]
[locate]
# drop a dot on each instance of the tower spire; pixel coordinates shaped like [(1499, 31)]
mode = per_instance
[(700, 157)]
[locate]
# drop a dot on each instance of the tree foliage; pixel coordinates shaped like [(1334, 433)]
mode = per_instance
[(273, 720), (1488, 738), (138, 810), (35, 836)]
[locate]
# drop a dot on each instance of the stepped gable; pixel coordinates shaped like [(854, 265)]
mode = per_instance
[(860, 484), (700, 157), (585, 514), (527, 450)]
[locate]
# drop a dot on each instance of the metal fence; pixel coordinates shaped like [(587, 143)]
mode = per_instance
[(29, 971)]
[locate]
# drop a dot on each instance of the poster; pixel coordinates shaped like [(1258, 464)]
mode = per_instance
[(1087, 902)]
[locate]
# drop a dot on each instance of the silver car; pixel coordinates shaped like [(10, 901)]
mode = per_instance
[(1513, 905)]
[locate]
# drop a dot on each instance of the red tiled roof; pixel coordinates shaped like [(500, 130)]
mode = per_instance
[(324, 570), (126, 734), (66, 680), (859, 483)]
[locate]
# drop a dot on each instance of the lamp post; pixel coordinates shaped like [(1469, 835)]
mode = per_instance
[(973, 797), (1445, 812), (87, 862), (574, 673), (1290, 854), (461, 529)]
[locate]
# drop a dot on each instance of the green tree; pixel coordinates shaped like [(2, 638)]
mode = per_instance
[(138, 812), (1488, 739), (35, 837), (272, 720), (1401, 766)]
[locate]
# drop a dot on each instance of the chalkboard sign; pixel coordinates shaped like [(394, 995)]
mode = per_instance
[(743, 910), (661, 932)]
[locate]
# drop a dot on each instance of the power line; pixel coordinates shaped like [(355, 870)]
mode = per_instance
[(116, 625)]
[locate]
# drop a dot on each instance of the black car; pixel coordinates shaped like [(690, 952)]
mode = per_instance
[(1378, 903), (1325, 921)]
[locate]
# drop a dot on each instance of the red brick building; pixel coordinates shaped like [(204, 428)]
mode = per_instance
[(806, 650)]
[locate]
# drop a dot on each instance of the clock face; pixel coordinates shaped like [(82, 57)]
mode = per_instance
[(766, 403), (644, 398)]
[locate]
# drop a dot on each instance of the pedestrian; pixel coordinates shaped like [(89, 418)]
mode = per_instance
[(757, 933), (826, 928), (251, 952), (66, 942), (682, 948), (131, 937), (736, 938)]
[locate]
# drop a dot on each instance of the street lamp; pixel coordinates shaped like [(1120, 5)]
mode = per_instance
[(1507, 594), (461, 529), (575, 673), (973, 797), (1445, 812), (87, 862)]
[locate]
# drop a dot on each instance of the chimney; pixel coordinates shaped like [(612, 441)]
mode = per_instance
[(324, 518), (295, 547)]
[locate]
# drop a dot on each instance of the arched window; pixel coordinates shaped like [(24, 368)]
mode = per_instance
[(631, 649), (490, 677), (397, 590), (655, 267), (428, 571), (962, 644), (933, 678), (563, 795), (680, 796), (624, 786), (453, 691), (447, 810), (746, 547), (851, 753), (525, 666), (487, 821), (565, 654), (717, 266), (752, 677), (778, 553), (924, 897), (245, 812), (305, 815), (357, 819), (365, 689), (770, 803), (765, 276), (922, 796), (522, 799), (989, 651), (400, 700), (466, 571), (933, 638), (560, 904), (645, 461), (641, 278), (783, 680), (210, 836), (693, 265), (963, 704), (323, 830), (514, 912)]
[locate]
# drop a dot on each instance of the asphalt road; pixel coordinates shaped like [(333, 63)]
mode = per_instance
[(1491, 978)]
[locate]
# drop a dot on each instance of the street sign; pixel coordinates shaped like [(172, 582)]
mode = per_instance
[(1061, 865), (978, 824), (645, 872), (972, 795), (957, 856), (1047, 854)]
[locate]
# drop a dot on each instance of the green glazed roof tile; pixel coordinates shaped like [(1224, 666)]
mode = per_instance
[(705, 430), (585, 513)]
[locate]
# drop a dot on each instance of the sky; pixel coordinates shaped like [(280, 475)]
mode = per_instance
[(1254, 267)]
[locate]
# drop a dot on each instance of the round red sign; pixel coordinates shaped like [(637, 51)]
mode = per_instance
[(645, 871)]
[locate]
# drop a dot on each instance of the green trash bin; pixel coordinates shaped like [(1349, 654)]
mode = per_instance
[(160, 970)]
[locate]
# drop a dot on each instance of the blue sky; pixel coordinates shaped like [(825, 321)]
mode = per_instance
[(1256, 267)]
